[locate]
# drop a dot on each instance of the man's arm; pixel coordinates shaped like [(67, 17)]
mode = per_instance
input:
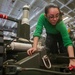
[(67, 42), (36, 39), (36, 35), (70, 51)]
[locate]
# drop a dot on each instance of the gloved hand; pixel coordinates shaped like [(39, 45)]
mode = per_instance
[(71, 67)]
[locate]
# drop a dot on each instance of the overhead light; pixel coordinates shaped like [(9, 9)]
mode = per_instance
[(65, 18)]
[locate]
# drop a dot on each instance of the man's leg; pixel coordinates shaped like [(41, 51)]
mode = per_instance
[(62, 49), (51, 44)]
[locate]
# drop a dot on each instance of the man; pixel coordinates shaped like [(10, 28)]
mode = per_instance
[(56, 32)]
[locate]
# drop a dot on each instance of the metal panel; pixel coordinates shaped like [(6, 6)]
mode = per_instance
[(71, 5), (65, 9), (72, 14), (1, 49)]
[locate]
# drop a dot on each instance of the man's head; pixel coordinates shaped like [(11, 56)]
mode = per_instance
[(52, 13)]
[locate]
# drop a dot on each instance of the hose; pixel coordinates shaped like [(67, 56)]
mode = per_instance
[(46, 71), (14, 69)]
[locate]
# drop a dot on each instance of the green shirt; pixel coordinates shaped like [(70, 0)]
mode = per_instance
[(59, 27)]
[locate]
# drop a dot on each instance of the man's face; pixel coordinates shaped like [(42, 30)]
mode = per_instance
[(53, 15)]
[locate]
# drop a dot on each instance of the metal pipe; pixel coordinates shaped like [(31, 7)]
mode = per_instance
[(20, 46), (8, 18)]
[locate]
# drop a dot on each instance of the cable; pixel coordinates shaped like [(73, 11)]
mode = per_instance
[(65, 57)]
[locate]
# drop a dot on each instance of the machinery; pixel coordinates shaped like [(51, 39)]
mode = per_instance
[(19, 63), (15, 61)]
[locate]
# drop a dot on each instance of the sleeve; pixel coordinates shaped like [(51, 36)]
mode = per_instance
[(61, 27), (39, 27)]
